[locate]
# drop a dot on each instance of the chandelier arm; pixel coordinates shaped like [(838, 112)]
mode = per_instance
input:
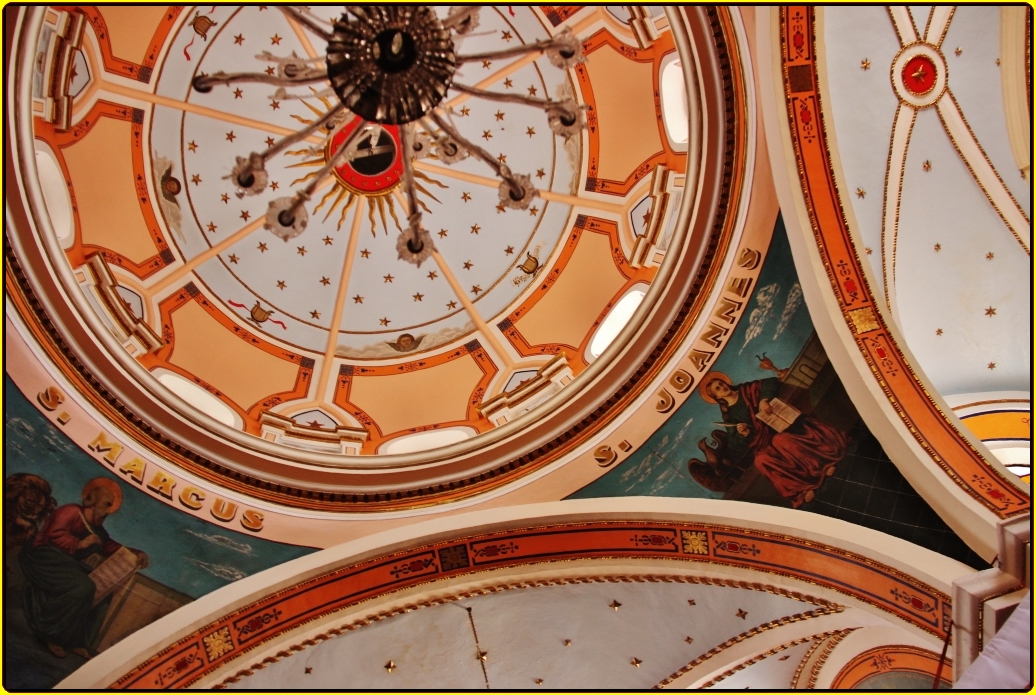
[(537, 47), (344, 149), (460, 17), (499, 96), (205, 83), (406, 136), (306, 21)]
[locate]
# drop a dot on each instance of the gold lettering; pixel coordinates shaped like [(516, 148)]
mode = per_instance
[(749, 259), (604, 456), (665, 402), (50, 398), (700, 359), (162, 484), (726, 309), (134, 468), (681, 381), (713, 334), (740, 286), (252, 520), (223, 510), (109, 450), (191, 497)]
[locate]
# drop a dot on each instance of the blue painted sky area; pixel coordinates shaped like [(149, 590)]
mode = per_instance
[(776, 323), (185, 553)]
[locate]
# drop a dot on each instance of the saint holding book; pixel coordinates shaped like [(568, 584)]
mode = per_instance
[(71, 569), (794, 451)]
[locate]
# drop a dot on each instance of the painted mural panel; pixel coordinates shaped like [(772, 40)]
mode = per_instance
[(89, 559), (772, 424)]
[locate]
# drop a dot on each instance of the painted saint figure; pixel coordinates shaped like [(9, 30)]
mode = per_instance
[(59, 593), (795, 460)]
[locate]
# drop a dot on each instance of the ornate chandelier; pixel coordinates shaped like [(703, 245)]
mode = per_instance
[(390, 67)]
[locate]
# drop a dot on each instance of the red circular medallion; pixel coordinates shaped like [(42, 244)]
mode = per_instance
[(376, 167), (919, 75)]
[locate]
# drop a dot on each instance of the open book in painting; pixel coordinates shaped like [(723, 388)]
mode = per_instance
[(119, 567), (781, 415)]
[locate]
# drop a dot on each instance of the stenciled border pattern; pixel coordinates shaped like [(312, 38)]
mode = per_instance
[(891, 659), (907, 395), (229, 637)]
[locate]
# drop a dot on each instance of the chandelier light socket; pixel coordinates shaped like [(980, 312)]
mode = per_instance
[(516, 191), (567, 51), (285, 219), (463, 19), (449, 151), (414, 247), (249, 175), (565, 118)]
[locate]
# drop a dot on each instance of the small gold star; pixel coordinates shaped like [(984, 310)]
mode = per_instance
[(927, 166), (385, 321), (509, 250), (388, 278), (464, 110), (325, 281), (238, 93), (365, 253), (500, 208), (270, 142), (274, 185), (482, 656), (465, 196), (534, 211), (990, 311), (475, 289), (530, 131), (742, 613), (505, 35), (568, 643), (245, 214), (540, 173), (192, 146), (275, 40), (262, 247), (500, 115), (537, 681), (212, 227), (998, 61), (443, 233), (532, 91), (309, 669), (231, 136), (957, 51), (232, 258), (486, 64), (614, 605), (937, 247), (239, 39), (868, 249), (328, 241), (865, 64), (636, 662), (390, 666), (432, 275), (860, 193), (195, 179), (920, 73), (688, 639), (502, 158), (690, 602), (508, 83), (418, 297), (281, 284), (451, 305), (486, 135), (992, 365), (467, 265), (1022, 172), (270, 70), (301, 250), (475, 229), (989, 256), (274, 104), (224, 197), (315, 314), (938, 331), (358, 299)]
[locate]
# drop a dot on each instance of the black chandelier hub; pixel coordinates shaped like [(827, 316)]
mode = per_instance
[(390, 64)]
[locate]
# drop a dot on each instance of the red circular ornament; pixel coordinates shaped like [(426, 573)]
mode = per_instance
[(919, 75), (376, 168)]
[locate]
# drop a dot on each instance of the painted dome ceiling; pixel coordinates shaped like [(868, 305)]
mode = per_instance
[(322, 348)]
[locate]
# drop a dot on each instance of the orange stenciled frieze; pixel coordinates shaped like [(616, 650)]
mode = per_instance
[(165, 356), (378, 431), (213, 645), (557, 14), (888, 365), (890, 659), (120, 66), (653, 55), (60, 140), (511, 327)]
